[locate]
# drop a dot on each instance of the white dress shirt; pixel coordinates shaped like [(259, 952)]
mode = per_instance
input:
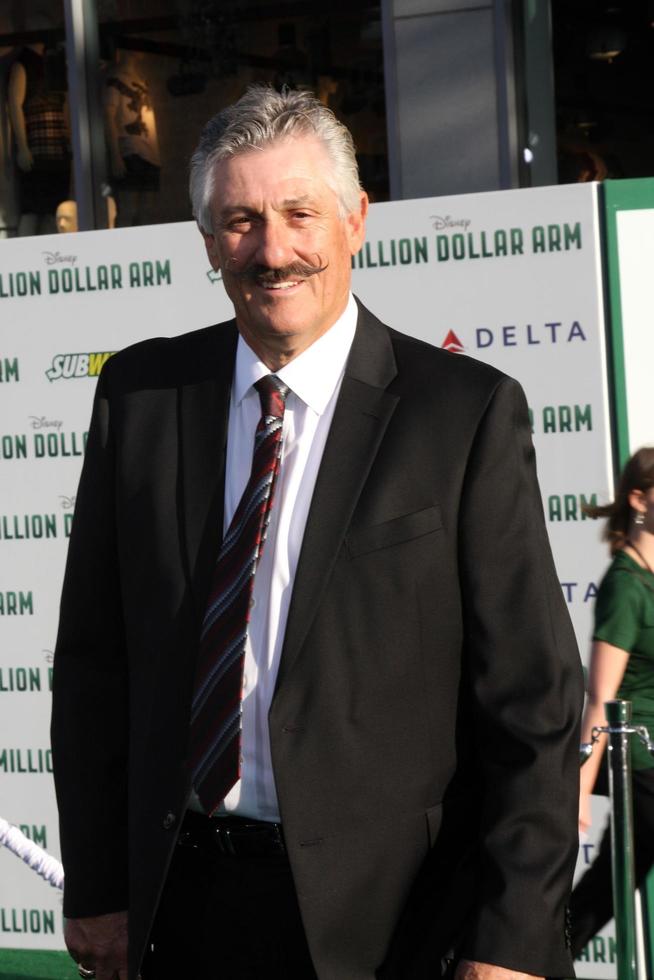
[(314, 379)]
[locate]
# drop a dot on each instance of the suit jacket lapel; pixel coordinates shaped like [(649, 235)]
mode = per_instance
[(362, 413), (203, 413)]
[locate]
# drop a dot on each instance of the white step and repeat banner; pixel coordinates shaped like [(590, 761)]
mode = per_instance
[(511, 277), (630, 232), (636, 248)]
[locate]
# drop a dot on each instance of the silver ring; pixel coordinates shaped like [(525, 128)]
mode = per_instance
[(84, 972)]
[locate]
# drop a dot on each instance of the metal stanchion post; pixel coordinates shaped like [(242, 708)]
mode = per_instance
[(618, 716), (619, 729)]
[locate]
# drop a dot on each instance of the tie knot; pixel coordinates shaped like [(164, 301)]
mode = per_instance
[(272, 393)]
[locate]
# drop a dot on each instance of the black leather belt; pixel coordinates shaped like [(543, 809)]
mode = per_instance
[(232, 836)]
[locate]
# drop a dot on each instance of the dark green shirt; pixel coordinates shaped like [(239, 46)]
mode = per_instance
[(624, 617)]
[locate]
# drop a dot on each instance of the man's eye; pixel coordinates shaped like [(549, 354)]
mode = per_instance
[(240, 222)]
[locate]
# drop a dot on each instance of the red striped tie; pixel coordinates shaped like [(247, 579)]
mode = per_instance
[(215, 739)]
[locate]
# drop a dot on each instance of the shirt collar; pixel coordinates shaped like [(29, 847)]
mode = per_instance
[(314, 374)]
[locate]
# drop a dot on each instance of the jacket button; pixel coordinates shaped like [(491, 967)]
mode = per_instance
[(169, 821)]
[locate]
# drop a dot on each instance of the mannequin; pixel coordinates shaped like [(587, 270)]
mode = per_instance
[(40, 125), (66, 215), (132, 138)]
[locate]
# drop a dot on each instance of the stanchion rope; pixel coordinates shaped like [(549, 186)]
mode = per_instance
[(33, 855)]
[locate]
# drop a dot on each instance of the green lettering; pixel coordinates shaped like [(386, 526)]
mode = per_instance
[(163, 272), (565, 418), (500, 242), (538, 238), (420, 246), (554, 507), (9, 370), (583, 418), (517, 241), (103, 277), (549, 419), (584, 502), (599, 950), (572, 236), (554, 238), (570, 506), (148, 274)]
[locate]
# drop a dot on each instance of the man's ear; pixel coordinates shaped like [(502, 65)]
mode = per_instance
[(211, 247), (356, 224)]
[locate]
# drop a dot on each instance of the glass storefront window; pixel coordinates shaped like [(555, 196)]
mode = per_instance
[(165, 67), (35, 150), (603, 56)]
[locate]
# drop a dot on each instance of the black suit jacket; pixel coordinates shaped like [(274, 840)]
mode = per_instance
[(424, 725)]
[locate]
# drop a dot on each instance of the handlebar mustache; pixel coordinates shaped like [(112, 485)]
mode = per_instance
[(263, 275)]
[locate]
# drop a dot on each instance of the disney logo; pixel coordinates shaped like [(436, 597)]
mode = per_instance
[(56, 258), (447, 221), (67, 503), (40, 422)]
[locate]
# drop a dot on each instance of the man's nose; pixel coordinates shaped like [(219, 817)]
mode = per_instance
[(274, 248)]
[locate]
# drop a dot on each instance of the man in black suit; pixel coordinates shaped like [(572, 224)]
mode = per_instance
[(399, 769)]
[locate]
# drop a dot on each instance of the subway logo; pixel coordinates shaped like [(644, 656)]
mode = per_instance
[(77, 365)]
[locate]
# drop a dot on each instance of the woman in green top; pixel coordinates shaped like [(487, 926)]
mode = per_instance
[(622, 666)]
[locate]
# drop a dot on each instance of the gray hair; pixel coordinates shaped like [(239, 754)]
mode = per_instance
[(264, 116)]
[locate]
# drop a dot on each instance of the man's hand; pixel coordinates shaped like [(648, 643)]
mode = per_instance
[(99, 943), (469, 970)]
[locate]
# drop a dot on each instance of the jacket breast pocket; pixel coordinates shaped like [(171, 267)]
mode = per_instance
[(363, 539)]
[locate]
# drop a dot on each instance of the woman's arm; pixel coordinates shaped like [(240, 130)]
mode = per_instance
[(607, 667)]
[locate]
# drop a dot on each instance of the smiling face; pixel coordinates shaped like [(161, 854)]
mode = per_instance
[(283, 249)]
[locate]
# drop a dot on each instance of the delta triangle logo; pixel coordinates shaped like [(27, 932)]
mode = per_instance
[(453, 344)]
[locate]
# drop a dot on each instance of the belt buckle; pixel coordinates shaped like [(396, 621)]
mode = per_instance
[(248, 839)]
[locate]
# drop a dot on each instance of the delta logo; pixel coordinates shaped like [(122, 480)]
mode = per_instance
[(521, 335), (67, 366), (453, 344)]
